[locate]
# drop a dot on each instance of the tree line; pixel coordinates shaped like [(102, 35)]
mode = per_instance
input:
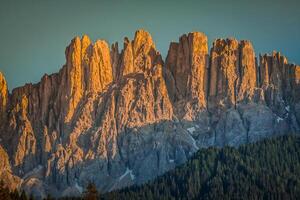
[(269, 169)]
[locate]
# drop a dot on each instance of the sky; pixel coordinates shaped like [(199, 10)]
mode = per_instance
[(35, 33)]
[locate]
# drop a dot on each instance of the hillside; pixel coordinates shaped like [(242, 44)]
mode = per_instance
[(269, 169)]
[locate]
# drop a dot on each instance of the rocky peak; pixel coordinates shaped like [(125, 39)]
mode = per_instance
[(186, 70), (88, 70), (247, 72), (3, 97), (296, 82), (199, 65), (279, 79), (115, 59), (273, 69), (73, 86), (139, 55), (100, 69), (223, 69), (232, 71), (85, 41), (142, 43)]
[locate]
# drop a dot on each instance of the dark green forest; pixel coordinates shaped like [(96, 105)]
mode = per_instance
[(269, 169)]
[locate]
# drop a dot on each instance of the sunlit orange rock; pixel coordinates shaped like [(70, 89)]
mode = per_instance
[(232, 71), (3, 97), (187, 62), (124, 117)]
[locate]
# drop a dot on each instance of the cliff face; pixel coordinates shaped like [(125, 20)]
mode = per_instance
[(122, 118), (3, 97), (186, 73), (233, 72)]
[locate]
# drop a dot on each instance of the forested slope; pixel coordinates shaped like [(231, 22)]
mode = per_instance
[(269, 169)]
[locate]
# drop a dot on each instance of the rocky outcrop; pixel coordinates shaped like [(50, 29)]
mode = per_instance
[(187, 73), (280, 82), (136, 100), (247, 73), (278, 77), (6, 174), (121, 118), (3, 97), (232, 72), (88, 69), (139, 55)]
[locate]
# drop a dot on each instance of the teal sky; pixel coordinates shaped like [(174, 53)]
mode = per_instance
[(34, 33)]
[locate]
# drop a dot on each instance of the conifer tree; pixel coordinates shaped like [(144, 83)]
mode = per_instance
[(91, 192)]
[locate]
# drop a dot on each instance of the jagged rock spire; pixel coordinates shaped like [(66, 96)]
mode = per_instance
[(232, 71), (124, 118), (139, 55), (88, 70), (186, 70), (3, 97)]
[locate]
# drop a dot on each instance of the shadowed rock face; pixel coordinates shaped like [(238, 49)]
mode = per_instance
[(122, 118)]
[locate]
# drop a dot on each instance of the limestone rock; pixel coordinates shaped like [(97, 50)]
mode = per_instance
[(122, 118), (73, 72), (224, 70), (247, 72), (88, 69), (99, 73), (139, 55), (232, 72), (279, 81), (3, 97), (6, 174), (295, 82), (230, 129), (187, 62), (115, 60)]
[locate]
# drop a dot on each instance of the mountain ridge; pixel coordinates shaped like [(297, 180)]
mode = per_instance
[(107, 112)]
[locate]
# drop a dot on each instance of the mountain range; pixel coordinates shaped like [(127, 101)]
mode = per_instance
[(118, 118)]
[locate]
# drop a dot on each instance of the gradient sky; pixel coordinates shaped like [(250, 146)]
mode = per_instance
[(34, 33)]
